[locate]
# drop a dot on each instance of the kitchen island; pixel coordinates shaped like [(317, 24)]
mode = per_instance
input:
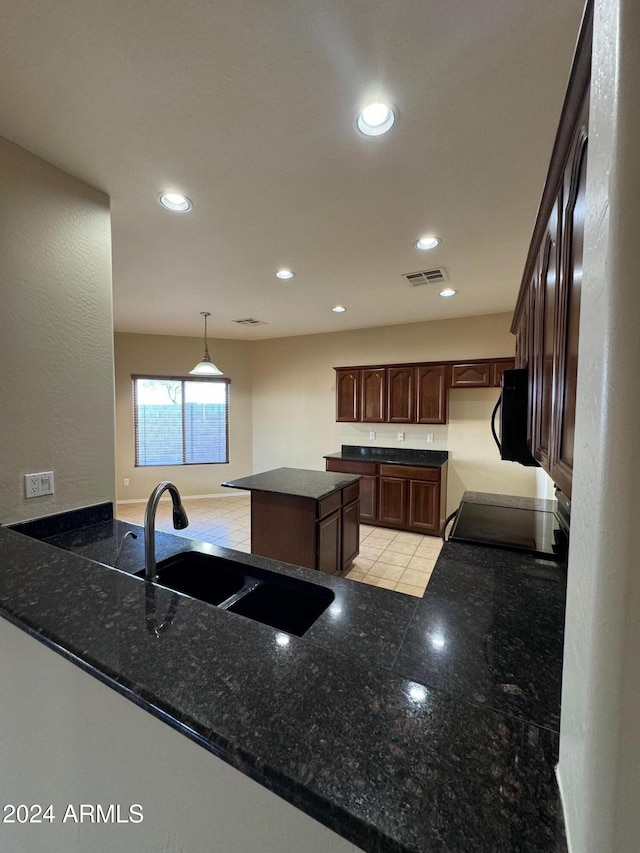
[(308, 518), (387, 721)]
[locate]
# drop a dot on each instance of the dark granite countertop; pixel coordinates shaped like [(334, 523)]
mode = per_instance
[(391, 456), (298, 482), (403, 724)]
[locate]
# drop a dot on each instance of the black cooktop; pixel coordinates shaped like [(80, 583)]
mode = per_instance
[(533, 531)]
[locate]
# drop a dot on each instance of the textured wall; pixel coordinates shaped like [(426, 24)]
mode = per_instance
[(599, 769), (56, 345)]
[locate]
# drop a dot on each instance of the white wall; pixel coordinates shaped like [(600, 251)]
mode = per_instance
[(56, 343), (599, 769), (69, 739)]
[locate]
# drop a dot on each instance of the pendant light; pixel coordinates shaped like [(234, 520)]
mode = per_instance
[(205, 367)]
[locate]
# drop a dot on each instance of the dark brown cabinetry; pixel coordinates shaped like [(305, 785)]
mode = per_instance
[(373, 384), (400, 402), (409, 393), (368, 472), (412, 498), (347, 395), (431, 393), (498, 369), (402, 496), (474, 375), (319, 534), (547, 314)]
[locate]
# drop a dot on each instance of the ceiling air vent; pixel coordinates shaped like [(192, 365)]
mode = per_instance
[(250, 321), (434, 276)]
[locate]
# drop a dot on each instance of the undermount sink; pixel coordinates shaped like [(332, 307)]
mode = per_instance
[(283, 602)]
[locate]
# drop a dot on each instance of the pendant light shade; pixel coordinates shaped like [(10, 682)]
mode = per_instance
[(205, 367)]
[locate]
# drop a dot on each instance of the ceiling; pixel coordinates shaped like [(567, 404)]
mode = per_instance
[(247, 107)]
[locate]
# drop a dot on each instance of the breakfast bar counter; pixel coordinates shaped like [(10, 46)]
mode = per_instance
[(386, 721)]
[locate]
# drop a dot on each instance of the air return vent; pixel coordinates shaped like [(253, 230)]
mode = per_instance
[(434, 276), (250, 321)]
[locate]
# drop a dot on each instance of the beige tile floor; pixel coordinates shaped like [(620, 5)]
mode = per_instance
[(388, 558)]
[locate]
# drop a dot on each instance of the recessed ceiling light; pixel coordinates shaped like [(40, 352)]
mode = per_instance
[(338, 309), (375, 119), (175, 202), (448, 291), (425, 243), (284, 274)]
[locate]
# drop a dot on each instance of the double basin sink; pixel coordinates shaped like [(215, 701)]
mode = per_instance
[(285, 603)]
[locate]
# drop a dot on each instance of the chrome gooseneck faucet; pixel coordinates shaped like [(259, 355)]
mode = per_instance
[(180, 521)]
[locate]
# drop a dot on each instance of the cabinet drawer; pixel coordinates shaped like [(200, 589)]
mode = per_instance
[(330, 504), (351, 493), (410, 472), (347, 467)]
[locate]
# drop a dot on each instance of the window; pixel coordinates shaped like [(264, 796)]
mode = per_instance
[(180, 421)]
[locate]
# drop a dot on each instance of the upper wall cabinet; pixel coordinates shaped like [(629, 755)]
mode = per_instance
[(348, 395), (472, 375), (431, 393), (547, 314), (409, 393), (373, 404), (400, 402)]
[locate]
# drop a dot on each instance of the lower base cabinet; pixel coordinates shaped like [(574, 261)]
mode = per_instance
[(402, 496)]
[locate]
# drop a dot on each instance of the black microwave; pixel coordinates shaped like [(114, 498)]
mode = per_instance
[(513, 405)]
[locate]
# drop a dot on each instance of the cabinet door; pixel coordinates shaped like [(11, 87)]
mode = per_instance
[(374, 397), (544, 343), (424, 506), (368, 498), (393, 500), (471, 375), (569, 311), (350, 533), (347, 395), (431, 394), (399, 395), (329, 543), (499, 368)]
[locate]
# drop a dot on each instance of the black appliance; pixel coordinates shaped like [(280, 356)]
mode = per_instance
[(513, 404), (533, 531)]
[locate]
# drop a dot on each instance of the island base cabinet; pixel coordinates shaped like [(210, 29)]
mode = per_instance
[(317, 534), (330, 543), (283, 527), (350, 533)]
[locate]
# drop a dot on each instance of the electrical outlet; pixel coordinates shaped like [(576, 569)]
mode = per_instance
[(126, 481), (429, 438), (36, 485), (372, 435), (400, 436)]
